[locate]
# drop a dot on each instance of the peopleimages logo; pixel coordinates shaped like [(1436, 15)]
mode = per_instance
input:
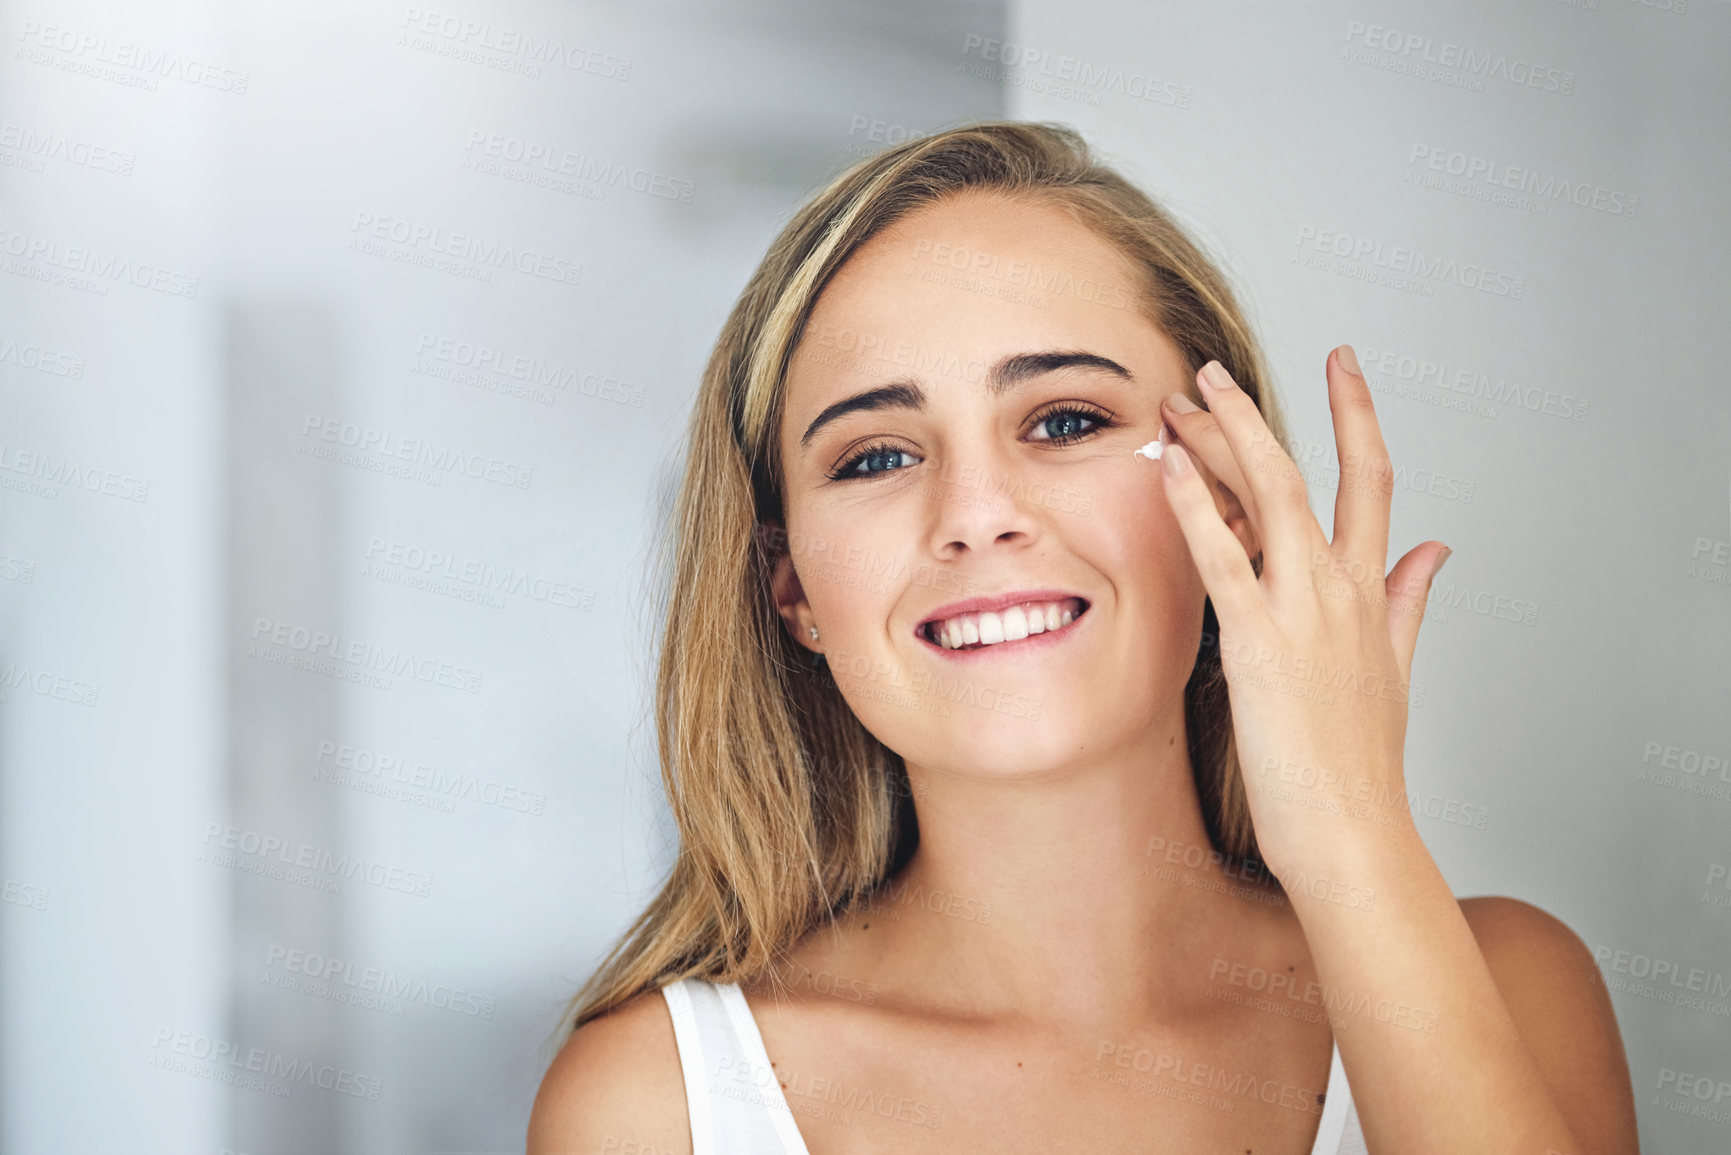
[(391, 560), (1458, 387), (1373, 257), (1057, 282), (1456, 58), (1669, 979), (1070, 77), (45, 475), (1543, 187), (40, 145), (41, 359), (540, 378), (364, 440), (579, 166), (290, 859), (16, 677), (370, 987), (98, 56), (339, 760), (254, 1067), (102, 268), (359, 654), (421, 244), (483, 42)]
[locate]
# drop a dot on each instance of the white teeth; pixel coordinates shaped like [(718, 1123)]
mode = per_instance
[(991, 628), (1011, 624)]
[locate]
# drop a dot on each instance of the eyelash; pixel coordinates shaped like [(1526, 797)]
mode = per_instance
[(1101, 422)]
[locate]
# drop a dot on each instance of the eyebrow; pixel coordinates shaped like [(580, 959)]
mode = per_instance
[(1009, 373)]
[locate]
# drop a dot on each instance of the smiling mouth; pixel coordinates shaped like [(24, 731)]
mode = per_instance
[(1000, 627)]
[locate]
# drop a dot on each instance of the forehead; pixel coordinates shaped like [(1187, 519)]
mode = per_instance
[(957, 284)]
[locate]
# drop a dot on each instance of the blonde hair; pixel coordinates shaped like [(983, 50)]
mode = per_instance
[(788, 810)]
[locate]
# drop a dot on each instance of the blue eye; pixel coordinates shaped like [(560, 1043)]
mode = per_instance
[(1063, 424), (874, 459)]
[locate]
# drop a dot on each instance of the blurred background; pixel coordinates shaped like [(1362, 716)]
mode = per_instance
[(345, 351)]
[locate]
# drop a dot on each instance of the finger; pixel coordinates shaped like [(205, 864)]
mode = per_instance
[(1361, 503), (1408, 587), (1200, 432), (1288, 528), (1226, 572)]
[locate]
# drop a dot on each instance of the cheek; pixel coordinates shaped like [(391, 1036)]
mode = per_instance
[(1136, 526), (848, 567), (1158, 591)]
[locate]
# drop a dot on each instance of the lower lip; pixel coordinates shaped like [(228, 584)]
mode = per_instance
[(1032, 644)]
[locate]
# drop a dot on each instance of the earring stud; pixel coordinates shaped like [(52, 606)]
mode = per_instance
[(813, 630)]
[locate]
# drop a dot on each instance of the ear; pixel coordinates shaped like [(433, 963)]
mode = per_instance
[(1231, 511), (789, 595)]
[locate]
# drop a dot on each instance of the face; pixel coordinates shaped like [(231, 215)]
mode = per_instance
[(957, 442)]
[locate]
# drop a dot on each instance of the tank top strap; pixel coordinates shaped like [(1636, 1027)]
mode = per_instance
[(733, 1098)]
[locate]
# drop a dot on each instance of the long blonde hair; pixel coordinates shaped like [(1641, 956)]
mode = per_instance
[(788, 810)]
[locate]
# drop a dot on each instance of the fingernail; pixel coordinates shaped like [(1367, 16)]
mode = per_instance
[(1349, 361), (1182, 403), (1177, 461), (1214, 374), (1446, 554)]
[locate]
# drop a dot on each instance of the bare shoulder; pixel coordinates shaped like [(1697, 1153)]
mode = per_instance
[(615, 1087), (1533, 954), (1557, 998), (1510, 925)]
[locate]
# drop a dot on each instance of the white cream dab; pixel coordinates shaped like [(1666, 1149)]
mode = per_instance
[(1155, 448)]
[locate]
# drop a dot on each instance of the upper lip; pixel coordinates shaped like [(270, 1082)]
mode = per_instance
[(997, 602)]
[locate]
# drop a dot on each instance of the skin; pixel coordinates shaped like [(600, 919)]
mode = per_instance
[(1061, 926)]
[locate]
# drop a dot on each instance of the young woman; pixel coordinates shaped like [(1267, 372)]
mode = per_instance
[(1037, 793)]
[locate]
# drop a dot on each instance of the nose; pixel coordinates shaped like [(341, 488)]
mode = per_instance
[(977, 502)]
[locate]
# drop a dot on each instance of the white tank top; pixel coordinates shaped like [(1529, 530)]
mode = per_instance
[(737, 1105)]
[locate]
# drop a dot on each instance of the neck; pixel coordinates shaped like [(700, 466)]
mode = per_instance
[(1078, 896)]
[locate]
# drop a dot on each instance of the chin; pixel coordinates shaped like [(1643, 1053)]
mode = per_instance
[(998, 746)]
